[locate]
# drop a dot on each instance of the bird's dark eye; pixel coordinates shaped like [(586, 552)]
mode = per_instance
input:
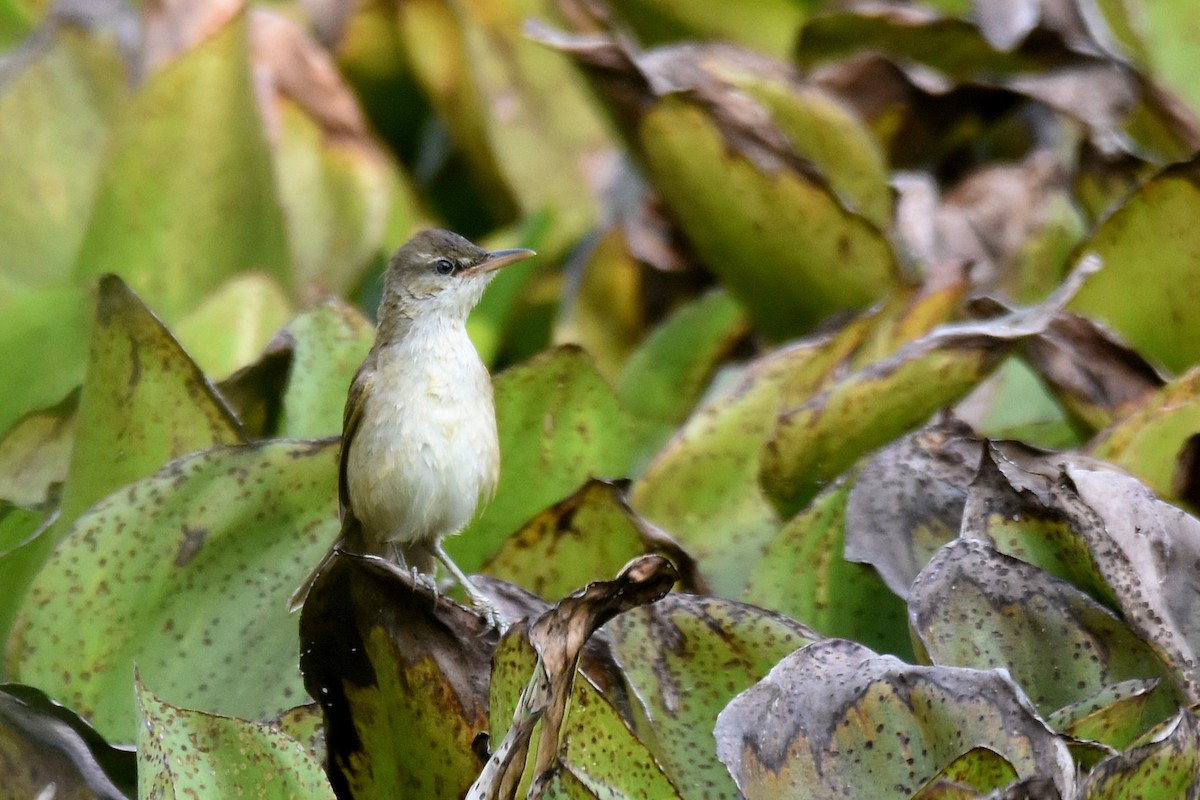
[(444, 266)]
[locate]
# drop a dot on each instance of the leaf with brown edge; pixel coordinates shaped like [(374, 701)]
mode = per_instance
[(35, 454), (685, 658), (834, 719), (590, 534), (557, 638), (1151, 440), (816, 440), (974, 607), (401, 676), (1165, 767), (703, 486)]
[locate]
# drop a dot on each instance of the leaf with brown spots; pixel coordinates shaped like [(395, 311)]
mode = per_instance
[(559, 424), (183, 573), (1114, 716), (556, 640), (977, 770), (1166, 767), (591, 534), (144, 402), (1105, 532), (185, 753), (401, 676), (834, 719), (685, 657), (974, 607)]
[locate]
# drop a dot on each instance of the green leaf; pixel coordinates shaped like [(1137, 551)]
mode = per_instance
[(1162, 318), (40, 327), (666, 374), (559, 421), (802, 574), (185, 753), (685, 657), (329, 343), (835, 720), (1115, 716), (767, 26), (703, 487), (35, 454), (65, 98), (188, 166), (184, 573), (232, 325), (341, 198), (1149, 440)]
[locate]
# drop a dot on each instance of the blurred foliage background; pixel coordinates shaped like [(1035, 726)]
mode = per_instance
[(880, 320)]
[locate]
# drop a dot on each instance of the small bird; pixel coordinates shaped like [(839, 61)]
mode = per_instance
[(419, 444)]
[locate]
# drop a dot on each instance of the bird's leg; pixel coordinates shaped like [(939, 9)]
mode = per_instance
[(417, 575), (479, 601)]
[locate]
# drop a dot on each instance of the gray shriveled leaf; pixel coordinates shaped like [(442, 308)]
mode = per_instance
[(908, 501), (1113, 538), (975, 607), (834, 720)]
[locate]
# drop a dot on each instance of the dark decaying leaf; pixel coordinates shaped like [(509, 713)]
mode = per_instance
[(389, 661), (974, 607), (1095, 375), (43, 744), (557, 638), (834, 719), (685, 658)]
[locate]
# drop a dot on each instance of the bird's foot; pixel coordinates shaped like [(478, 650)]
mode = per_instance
[(478, 600)]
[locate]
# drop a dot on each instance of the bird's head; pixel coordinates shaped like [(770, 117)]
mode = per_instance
[(439, 272)]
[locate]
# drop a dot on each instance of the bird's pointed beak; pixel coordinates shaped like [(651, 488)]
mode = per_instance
[(499, 258)]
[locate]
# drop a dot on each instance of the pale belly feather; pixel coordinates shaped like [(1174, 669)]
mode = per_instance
[(426, 450)]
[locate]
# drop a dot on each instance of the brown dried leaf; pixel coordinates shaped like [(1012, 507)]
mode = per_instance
[(558, 637)]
